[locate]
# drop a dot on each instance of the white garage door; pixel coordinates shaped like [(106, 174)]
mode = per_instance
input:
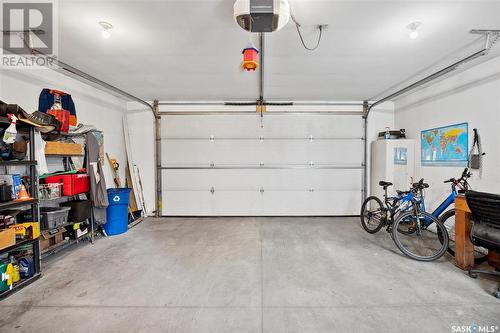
[(296, 164)]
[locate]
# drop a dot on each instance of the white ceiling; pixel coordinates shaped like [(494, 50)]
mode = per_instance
[(191, 50)]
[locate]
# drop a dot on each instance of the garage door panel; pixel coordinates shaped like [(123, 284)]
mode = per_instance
[(321, 126), (319, 179), (207, 126), (221, 203), (274, 126), (293, 165), (205, 152), (234, 152), (269, 203), (318, 152), (311, 203)]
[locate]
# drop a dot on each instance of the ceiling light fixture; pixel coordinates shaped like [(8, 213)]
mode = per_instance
[(413, 27), (106, 27)]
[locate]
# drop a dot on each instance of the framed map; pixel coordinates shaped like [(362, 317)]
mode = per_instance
[(446, 146)]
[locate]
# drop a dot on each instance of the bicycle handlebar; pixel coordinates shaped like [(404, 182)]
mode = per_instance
[(465, 175), (420, 185)]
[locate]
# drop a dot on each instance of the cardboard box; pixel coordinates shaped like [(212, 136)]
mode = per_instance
[(77, 230), (29, 230), (7, 238), (52, 237), (63, 148), (6, 220)]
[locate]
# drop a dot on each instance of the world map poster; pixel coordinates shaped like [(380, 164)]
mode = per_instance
[(445, 146)]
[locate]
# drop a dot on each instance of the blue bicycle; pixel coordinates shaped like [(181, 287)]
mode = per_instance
[(447, 217), (418, 234)]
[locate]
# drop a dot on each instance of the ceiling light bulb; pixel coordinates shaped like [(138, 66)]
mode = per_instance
[(106, 29), (413, 27)]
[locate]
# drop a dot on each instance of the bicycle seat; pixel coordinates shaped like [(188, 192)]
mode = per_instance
[(422, 185), (385, 184)]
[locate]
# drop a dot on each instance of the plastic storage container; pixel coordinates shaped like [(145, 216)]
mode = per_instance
[(80, 210), (52, 217), (50, 191), (72, 184), (5, 193), (26, 267), (117, 211)]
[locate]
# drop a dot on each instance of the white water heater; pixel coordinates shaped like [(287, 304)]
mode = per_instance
[(392, 161)]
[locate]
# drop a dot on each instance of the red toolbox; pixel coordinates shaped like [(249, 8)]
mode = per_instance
[(72, 184)]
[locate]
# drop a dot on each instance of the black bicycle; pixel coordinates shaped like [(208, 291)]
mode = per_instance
[(375, 214)]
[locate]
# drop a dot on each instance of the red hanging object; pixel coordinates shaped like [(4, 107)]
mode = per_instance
[(250, 59)]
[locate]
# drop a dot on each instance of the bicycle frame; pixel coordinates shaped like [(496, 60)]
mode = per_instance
[(450, 199), (401, 203), (460, 183), (445, 204)]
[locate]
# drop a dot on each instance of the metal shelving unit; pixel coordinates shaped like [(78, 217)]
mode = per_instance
[(63, 245), (34, 244), (16, 204), (91, 234), (63, 198), (16, 163)]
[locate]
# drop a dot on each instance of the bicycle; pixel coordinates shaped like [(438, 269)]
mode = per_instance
[(417, 233), (375, 214), (404, 215), (447, 217), (459, 185)]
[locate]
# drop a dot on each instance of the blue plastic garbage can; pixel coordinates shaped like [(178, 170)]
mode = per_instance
[(117, 211)]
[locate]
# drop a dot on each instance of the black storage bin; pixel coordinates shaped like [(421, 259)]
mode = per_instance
[(5, 193), (80, 210), (25, 216)]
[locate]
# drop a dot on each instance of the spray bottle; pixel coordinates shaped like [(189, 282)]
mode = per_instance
[(10, 134)]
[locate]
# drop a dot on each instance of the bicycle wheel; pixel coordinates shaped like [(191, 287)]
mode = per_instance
[(372, 215), (418, 239), (448, 220)]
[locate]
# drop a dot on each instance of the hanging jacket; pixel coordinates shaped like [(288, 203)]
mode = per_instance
[(46, 100)]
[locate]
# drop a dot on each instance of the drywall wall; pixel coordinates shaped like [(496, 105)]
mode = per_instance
[(94, 107), (141, 131), (141, 125), (472, 96)]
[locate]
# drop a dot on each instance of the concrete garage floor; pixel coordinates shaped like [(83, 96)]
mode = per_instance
[(248, 275)]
